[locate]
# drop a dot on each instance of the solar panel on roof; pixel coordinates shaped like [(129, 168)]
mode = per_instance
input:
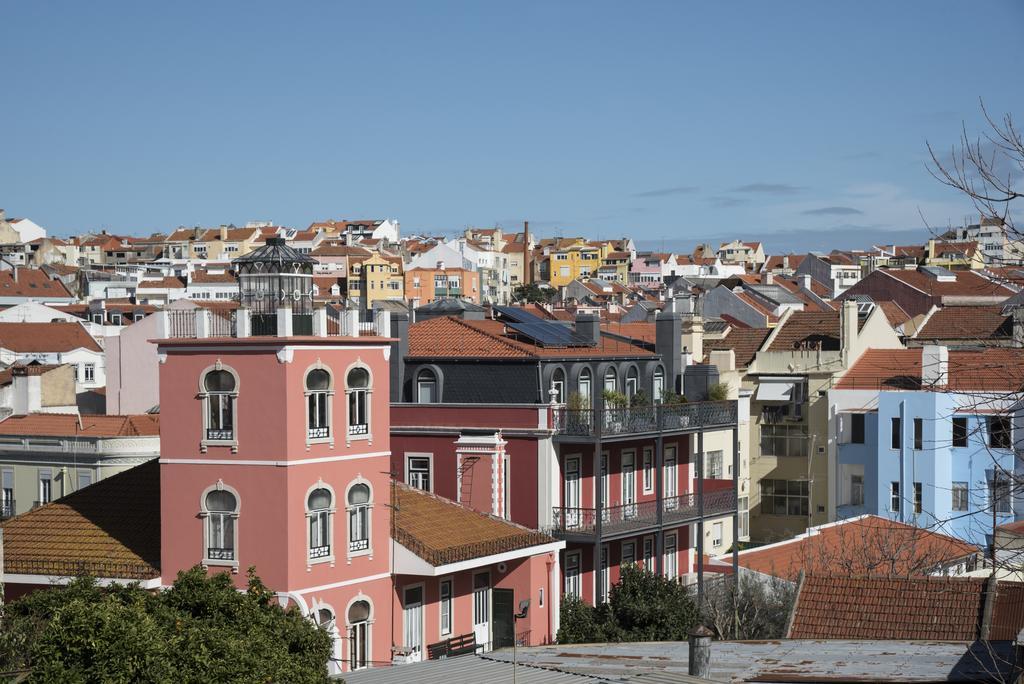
[(518, 315), (551, 334)]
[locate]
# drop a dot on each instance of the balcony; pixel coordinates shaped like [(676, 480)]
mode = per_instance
[(581, 425), (7, 509), (580, 524), (241, 323)]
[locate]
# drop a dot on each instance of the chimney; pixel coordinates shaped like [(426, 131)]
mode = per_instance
[(769, 278), (527, 270), (589, 325), (1018, 325), (700, 652), (805, 282), (223, 232), (934, 365), (668, 343), (848, 324), (399, 350)]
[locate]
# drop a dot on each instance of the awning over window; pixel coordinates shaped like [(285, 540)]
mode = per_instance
[(775, 390)]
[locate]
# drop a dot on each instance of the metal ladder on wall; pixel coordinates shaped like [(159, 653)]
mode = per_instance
[(466, 478)]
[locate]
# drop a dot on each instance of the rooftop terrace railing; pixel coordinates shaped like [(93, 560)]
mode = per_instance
[(613, 422)]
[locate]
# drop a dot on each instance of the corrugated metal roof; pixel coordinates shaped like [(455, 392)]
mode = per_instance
[(470, 669), (781, 661)]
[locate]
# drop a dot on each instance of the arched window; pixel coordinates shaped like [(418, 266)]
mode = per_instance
[(632, 382), (221, 511), (318, 407), (584, 384), (358, 517), (357, 386), (220, 390), (609, 380), (319, 509), (659, 384), (358, 635), (558, 386), (426, 387)]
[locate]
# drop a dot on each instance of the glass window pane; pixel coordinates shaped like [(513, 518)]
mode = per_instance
[(219, 381), (358, 494), (221, 500), (358, 378), (319, 499), (318, 379)]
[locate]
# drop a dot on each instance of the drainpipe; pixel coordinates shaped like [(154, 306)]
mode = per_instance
[(903, 462)]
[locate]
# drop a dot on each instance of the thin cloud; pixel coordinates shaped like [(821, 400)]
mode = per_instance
[(832, 211), (769, 188), (724, 202), (666, 192)]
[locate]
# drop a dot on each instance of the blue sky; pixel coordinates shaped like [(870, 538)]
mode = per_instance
[(801, 124)]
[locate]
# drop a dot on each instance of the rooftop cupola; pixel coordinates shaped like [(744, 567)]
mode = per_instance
[(274, 277)]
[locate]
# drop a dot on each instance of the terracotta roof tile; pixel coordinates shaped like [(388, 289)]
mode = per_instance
[(920, 608), (88, 532), (808, 330), (967, 284), (744, 342), (456, 338), (994, 368), (57, 336), (868, 545), (441, 531), (204, 277), (893, 312), (30, 282), (169, 282), (73, 425), (979, 323)]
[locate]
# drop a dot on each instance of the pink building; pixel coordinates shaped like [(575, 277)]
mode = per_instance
[(275, 454)]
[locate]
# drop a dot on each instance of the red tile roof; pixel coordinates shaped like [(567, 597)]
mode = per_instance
[(89, 532), (894, 313), (868, 545), (978, 323), (744, 342), (808, 330), (30, 282), (168, 282), (72, 425), (441, 531), (205, 277), (58, 336), (456, 338), (994, 368), (967, 284), (920, 608), (340, 250)]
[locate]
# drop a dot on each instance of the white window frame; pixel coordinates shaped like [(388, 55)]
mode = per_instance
[(417, 455), (671, 560), (368, 513), (421, 383), (624, 558), (205, 513), (442, 601), (420, 647), (367, 398), (326, 396), (351, 633), (648, 470), (89, 373), (573, 574), (894, 497), (648, 553), (627, 482), (671, 480), (329, 512), (717, 533), (604, 585), (204, 396), (44, 492)]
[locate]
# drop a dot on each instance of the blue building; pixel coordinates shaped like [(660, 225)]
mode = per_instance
[(925, 436)]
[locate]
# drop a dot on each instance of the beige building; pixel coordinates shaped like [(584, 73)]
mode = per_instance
[(790, 375)]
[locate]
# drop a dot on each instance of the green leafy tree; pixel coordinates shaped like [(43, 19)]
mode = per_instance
[(642, 606), (718, 392), (202, 629), (533, 293)]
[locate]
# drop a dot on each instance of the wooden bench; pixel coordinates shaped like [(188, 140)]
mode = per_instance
[(464, 644)]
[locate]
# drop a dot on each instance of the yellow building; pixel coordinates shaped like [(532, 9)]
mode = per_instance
[(580, 259), (954, 255), (377, 277)]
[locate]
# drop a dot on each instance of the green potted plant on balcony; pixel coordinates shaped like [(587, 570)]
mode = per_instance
[(577, 416), (718, 392), (673, 414), (614, 417)]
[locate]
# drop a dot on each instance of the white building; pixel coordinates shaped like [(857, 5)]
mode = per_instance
[(55, 343)]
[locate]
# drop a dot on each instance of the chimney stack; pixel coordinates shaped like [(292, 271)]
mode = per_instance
[(1018, 325), (589, 325), (769, 278), (934, 365), (527, 269), (805, 282), (700, 652)]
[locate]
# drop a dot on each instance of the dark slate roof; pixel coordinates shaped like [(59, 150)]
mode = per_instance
[(275, 251), (449, 307)]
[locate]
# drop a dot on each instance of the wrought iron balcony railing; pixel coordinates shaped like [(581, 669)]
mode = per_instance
[(642, 514), (644, 419)]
